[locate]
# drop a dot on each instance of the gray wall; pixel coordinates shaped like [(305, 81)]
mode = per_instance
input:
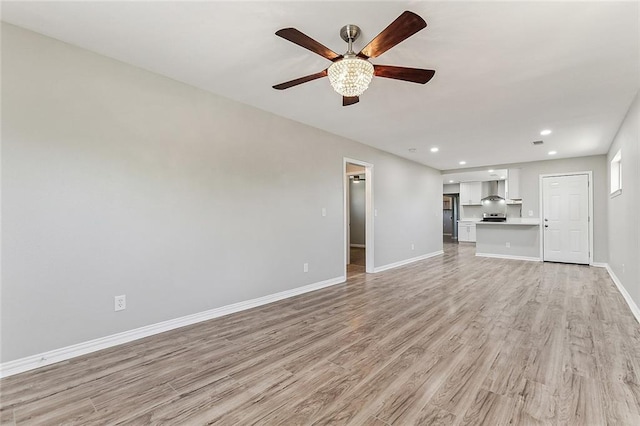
[(530, 192), (357, 211), (624, 234), (451, 188), (120, 181)]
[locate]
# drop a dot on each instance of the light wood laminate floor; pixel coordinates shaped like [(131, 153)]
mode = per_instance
[(358, 262), (358, 256), (451, 340)]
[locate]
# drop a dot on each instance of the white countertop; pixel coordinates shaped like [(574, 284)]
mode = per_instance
[(522, 221)]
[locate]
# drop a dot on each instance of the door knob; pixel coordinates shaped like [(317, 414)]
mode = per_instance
[(546, 226), (546, 220)]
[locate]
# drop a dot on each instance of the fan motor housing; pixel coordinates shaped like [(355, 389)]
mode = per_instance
[(350, 32)]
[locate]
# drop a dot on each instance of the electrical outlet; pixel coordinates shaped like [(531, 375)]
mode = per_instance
[(508, 245), (413, 247), (305, 267), (623, 268), (324, 212), (375, 212), (120, 303), (530, 213)]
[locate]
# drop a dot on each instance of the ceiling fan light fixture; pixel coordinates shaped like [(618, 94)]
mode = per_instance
[(350, 76)]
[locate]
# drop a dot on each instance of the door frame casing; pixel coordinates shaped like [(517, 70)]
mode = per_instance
[(368, 220), (590, 202)]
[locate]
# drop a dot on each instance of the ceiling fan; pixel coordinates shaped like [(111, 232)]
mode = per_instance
[(351, 73)]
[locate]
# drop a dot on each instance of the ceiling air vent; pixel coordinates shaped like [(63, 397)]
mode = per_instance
[(537, 142)]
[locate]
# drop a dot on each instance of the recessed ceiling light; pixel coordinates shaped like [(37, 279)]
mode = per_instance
[(412, 150), (462, 163), (450, 181), (545, 132), (553, 152), (435, 149), (491, 170), (501, 177)]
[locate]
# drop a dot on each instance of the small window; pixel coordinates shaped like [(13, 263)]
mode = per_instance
[(616, 174)]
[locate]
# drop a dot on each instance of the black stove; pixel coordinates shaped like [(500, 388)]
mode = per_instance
[(494, 217)]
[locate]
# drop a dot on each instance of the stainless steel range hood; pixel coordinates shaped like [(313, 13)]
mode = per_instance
[(491, 192)]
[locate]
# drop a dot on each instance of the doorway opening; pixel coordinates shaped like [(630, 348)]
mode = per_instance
[(566, 203), (358, 212), (450, 217)]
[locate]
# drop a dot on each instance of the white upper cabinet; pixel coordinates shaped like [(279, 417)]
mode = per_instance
[(502, 188), (476, 185), (513, 185), (470, 193)]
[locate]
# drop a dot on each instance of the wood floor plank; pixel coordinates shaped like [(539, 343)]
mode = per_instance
[(406, 404), (431, 415), (506, 373), (538, 404), (372, 421), (366, 399), (49, 382), (286, 391), (61, 412), (489, 408), (457, 393), (580, 401), (454, 339), (6, 417)]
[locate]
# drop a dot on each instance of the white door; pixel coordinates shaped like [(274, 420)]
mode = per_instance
[(565, 203)]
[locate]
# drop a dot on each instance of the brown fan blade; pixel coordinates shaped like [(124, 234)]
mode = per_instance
[(401, 29), (414, 75), (303, 40), (300, 80), (350, 100)]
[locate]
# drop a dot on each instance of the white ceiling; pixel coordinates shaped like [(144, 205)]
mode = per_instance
[(475, 176), (504, 70)]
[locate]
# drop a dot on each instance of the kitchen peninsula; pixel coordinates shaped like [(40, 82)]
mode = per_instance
[(517, 238), (491, 215)]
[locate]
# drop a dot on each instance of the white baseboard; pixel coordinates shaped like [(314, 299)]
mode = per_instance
[(507, 256), (358, 245), (627, 297), (407, 261), (599, 265), (51, 357)]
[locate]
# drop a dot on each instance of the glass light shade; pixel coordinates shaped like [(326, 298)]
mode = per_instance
[(350, 76)]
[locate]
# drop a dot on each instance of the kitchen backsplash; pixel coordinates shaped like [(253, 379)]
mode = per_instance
[(475, 212)]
